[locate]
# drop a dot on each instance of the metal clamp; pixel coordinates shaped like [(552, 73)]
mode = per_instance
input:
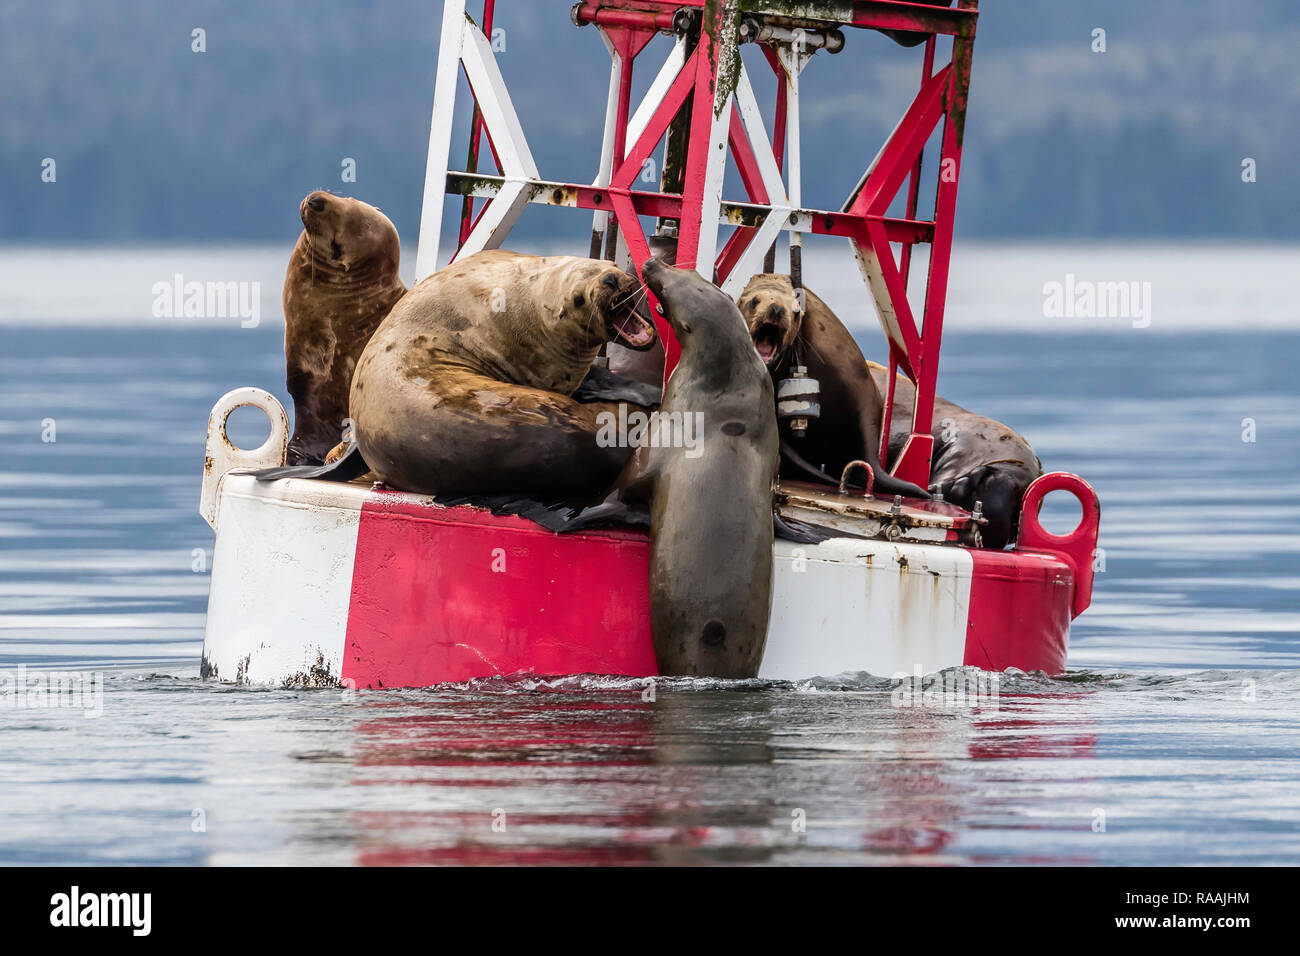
[(223, 456)]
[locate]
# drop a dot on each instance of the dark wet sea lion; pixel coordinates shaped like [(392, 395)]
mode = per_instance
[(786, 333), (341, 283), (976, 459), (711, 505), (465, 388)]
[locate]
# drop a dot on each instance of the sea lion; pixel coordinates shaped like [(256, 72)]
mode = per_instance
[(710, 500), (341, 283), (976, 459), (645, 365), (465, 388), (787, 332)]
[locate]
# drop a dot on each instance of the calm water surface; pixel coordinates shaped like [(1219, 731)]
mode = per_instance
[(1174, 738)]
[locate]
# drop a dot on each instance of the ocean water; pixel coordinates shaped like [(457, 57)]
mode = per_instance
[(1173, 739)]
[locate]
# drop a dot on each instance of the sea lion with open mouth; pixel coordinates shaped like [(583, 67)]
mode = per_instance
[(466, 387), (976, 459), (789, 330), (341, 283), (710, 497)]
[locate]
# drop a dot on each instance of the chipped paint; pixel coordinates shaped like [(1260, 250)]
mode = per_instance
[(319, 674)]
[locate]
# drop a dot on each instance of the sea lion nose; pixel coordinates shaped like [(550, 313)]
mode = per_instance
[(776, 313), (316, 202), (610, 281)]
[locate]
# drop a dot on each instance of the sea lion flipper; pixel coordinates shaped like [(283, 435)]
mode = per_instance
[(602, 385), (351, 465), (889, 485), (885, 483), (562, 517), (804, 532), (611, 513)]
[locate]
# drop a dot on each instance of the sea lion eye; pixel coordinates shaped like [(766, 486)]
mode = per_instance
[(579, 301)]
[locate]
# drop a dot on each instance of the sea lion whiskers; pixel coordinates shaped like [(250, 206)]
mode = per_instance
[(815, 351), (641, 294)]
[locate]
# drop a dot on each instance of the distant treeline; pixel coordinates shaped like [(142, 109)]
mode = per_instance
[(151, 138)]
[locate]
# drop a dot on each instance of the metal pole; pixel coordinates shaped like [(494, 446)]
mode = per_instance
[(435, 169), (476, 129)]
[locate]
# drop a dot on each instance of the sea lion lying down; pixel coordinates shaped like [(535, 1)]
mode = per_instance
[(465, 388), (975, 458)]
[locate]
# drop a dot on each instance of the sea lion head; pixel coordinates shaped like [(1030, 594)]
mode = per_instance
[(703, 316), (998, 487), (616, 296), (774, 312), (347, 235)]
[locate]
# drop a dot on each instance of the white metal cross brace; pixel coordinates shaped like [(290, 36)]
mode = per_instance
[(751, 117), (463, 43)]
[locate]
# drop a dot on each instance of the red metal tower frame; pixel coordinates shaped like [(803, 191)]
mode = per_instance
[(706, 83)]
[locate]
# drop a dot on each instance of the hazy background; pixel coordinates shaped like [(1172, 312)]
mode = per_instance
[(153, 141), (1116, 167)]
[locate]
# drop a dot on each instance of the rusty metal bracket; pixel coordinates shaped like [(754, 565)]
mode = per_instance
[(848, 470)]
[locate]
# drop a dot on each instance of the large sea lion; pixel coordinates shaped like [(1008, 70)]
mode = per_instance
[(787, 333), (976, 459), (342, 282), (710, 502), (465, 388)]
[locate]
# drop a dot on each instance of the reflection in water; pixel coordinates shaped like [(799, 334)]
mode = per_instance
[(1096, 768), (555, 774), (1177, 746)]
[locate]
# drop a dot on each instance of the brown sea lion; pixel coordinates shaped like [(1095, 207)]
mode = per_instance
[(976, 459), (465, 387), (342, 282), (786, 333), (710, 498)]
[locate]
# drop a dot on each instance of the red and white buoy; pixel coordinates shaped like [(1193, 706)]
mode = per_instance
[(359, 585)]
